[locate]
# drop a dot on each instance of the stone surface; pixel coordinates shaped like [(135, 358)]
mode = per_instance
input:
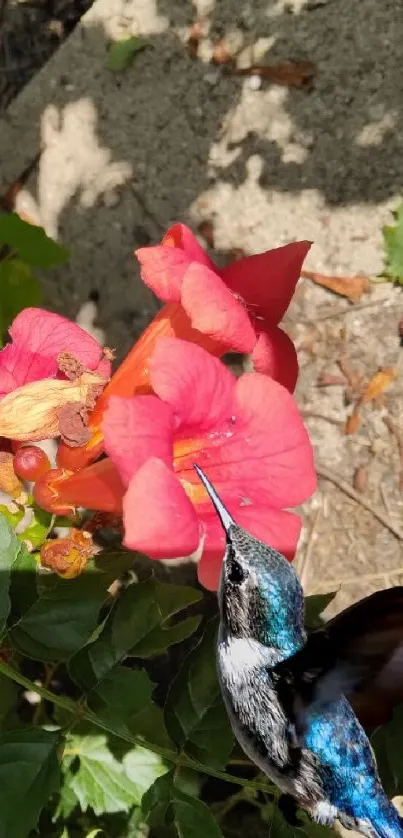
[(171, 138)]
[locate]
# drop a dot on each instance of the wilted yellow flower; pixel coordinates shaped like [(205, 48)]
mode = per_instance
[(38, 410), (68, 556)]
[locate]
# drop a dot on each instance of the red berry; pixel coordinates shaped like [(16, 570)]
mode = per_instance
[(30, 462)]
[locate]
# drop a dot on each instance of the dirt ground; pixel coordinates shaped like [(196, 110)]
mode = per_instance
[(176, 137)]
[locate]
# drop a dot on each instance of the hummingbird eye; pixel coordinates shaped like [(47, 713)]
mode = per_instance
[(236, 573)]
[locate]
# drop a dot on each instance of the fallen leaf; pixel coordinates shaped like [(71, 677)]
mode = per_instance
[(206, 230), (327, 379), (393, 246), (193, 41), (288, 73), (360, 479), (352, 287), (221, 55), (378, 383), (353, 423), (121, 53)]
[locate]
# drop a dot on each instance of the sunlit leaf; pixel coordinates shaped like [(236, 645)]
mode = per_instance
[(11, 549), (393, 245), (121, 53), (30, 242)]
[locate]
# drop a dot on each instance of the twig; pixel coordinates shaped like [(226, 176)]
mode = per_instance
[(393, 428), (312, 414), (348, 490), (352, 580), (335, 311), (303, 567)]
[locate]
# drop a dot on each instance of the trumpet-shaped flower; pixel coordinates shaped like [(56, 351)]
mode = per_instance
[(246, 434), (237, 308)]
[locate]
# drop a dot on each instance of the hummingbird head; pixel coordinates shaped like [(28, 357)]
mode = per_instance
[(259, 591)]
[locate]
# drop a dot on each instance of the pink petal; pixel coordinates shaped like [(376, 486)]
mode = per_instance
[(136, 429), (180, 236), (158, 516), (199, 388), (163, 269), (262, 453), (266, 281), (215, 311), (275, 355), (280, 530), (38, 337)]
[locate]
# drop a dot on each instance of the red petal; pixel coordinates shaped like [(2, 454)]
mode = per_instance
[(38, 337), (262, 453), (266, 281), (136, 429), (280, 530), (275, 355), (163, 269), (97, 487), (199, 388), (180, 236), (158, 516), (215, 311)]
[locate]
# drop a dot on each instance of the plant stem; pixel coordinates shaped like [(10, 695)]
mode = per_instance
[(83, 713)]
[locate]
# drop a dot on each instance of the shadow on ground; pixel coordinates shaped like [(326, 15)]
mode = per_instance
[(124, 155)]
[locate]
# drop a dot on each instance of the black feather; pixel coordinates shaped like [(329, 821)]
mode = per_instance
[(359, 653)]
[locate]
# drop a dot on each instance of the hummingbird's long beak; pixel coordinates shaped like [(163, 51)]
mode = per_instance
[(224, 516)]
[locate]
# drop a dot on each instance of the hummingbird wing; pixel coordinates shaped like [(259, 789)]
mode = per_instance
[(359, 653)]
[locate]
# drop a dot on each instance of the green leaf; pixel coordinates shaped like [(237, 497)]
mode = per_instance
[(121, 53), (314, 607), (31, 242), (278, 826), (149, 725), (19, 289), (141, 609), (103, 783), (160, 639), (29, 775), (165, 805), (62, 619), (38, 528), (121, 694), (195, 715), (386, 742), (393, 246), (11, 549), (8, 700), (143, 767)]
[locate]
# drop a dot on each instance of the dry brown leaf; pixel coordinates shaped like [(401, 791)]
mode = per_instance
[(352, 287), (221, 55), (353, 423), (206, 230), (328, 379), (195, 36), (360, 479), (378, 383), (288, 73)]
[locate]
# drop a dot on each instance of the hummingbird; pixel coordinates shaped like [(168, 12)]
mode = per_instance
[(295, 702)]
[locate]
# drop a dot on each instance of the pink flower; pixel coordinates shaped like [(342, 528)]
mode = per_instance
[(38, 338), (238, 307), (246, 434)]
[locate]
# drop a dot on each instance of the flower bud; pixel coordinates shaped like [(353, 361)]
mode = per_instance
[(9, 481), (31, 463), (68, 556)]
